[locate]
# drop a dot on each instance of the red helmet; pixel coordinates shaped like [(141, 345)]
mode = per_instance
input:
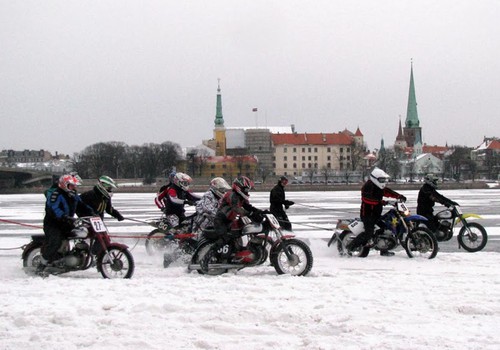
[(68, 184), (242, 185)]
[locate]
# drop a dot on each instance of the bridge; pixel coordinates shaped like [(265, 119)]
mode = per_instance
[(20, 177)]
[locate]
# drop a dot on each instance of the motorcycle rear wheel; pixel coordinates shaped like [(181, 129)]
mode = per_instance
[(32, 260), (359, 252), (301, 261), (211, 256), (472, 237), (421, 243), (115, 263)]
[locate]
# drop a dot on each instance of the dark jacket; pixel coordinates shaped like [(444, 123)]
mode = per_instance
[(372, 199), (232, 205), (60, 207), (427, 197), (99, 203), (277, 199)]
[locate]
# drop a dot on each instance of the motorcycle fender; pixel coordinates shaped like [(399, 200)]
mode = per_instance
[(466, 216), (416, 217), (118, 245), (30, 246)]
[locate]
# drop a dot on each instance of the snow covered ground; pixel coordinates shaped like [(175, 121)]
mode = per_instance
[(450, 302)]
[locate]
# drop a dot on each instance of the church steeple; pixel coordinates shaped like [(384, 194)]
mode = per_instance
[(412, 130), (219, 119), (219, 130), (411, 111)]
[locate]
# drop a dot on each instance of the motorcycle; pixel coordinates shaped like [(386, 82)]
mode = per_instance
[(173, 242), (88, 245), (248, 246), (395, 227), (472, 235)]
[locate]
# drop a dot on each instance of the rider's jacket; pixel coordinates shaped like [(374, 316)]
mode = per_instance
[(206, 208), (427, 197), (232, 205), (172, 200), (96, 200), (372, 199), (60, 206)]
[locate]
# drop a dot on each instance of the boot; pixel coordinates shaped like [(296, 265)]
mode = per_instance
[(386, 253)]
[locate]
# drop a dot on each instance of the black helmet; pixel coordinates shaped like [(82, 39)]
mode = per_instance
[(242, 185), (431, 180)]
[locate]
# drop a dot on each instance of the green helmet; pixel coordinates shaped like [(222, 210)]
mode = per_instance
[(105, 185)]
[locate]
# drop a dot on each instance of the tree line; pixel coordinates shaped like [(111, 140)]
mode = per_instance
[(119, 160)]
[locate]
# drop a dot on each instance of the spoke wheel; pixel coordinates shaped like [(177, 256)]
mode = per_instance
[(421, 243), (472, 237), (298, 263), (116, 262)]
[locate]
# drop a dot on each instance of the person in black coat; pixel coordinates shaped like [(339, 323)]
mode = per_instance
[(279, 203), (427, 198), (99, 198), (372, 203)]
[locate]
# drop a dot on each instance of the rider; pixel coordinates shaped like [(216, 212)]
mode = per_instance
[(207, 206), (277, 200), (427, 197), (60, 207), (235, 202), (171, 201), (99, 198), (372, 202)]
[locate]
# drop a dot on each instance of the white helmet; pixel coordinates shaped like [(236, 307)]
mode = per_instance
[(182, 180), (379, 177), (219, 186), (106, 185)]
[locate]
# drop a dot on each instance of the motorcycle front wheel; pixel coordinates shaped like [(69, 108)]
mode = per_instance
[(421, 243), (298, 261), (472, 237), (155, 242), (116, 262)]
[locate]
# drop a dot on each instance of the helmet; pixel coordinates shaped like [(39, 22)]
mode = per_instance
[(77, 177), (68, 184), (182, 180), (242, 185), (379, 177), (431, 180), (105, 185), (171, 177), (219, 186), (284, 180)]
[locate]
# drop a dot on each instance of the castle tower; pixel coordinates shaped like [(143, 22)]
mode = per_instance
[(412, 130), (219, 129)]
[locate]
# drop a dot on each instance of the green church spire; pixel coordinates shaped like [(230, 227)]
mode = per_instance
[(219, 119), (411, 112)]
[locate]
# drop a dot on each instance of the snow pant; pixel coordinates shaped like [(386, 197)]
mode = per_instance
[(366, 235), (54, 237)]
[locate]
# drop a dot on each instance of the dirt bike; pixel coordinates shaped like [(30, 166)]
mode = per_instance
[(395, 227), (472, 235), (172, 242), (89, 245), (248, 246)]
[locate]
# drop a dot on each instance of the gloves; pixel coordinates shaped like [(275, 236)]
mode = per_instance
[(68, 220), (119, 216), (383, 202), (402, 198), (289, 203)]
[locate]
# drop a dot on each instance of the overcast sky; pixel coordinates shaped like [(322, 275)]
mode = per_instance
[(74, 73)]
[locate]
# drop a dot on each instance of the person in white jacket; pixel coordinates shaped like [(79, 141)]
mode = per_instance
[(207, 206)]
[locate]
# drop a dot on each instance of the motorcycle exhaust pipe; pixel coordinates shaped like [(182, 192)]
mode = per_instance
[(216, 266)]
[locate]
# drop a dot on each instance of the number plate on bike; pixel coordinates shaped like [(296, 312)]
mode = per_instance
[(273, 221), (97, 224), (459, 210)]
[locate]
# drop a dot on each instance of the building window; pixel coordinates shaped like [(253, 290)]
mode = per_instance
[(316, 158), (294, 157), (328, 149), (309, 149), (303, 157), (284, 150), (295, 165), (224, 166), (341, 149), (285, 165), (285, 158), (294, 149), (309, 158), (329, 165), (303, 165), (303, 149), (309, 165), (329, 158), (315, 149)]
